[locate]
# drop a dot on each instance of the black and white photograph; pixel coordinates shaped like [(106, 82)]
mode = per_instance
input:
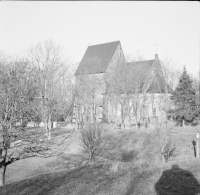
[(100, 98)]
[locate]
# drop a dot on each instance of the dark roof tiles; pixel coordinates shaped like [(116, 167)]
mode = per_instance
[(140, 68), (97, 58), (143, 68), (142, 64)]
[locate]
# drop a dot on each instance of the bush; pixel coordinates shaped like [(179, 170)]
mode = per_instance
[(169, 151), (91, 137), (164, 144)]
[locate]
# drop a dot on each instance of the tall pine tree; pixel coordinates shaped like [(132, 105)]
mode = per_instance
[(184, 99)]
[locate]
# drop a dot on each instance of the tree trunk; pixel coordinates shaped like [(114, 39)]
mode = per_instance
[(48, 127), (91, 158), (183, 123), (2, 176)]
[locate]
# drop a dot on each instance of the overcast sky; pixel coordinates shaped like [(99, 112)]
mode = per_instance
[(174, 26)]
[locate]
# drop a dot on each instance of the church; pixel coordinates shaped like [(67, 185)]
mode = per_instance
[(103, 93)]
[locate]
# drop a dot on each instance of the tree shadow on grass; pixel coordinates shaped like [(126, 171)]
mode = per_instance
[(67, 161), (116, 148), (177, 181)]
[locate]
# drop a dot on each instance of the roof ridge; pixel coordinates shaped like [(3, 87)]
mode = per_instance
[(104, 43), (141, 61)]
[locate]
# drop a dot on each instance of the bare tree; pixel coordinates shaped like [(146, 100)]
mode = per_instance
[(170, 74), (51, 70), (18, 91), (127, 82), (88, 95), (163, 141), (92, 139)]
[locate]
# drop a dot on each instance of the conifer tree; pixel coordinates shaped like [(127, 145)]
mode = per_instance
[(184, 99)]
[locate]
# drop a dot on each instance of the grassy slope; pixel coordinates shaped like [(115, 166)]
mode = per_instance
[(35, 166), (133, 169)]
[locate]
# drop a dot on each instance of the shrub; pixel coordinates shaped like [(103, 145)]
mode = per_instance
[(169, 151), (164, 144), (91, 137)]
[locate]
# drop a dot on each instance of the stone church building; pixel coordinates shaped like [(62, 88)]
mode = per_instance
[(93, 102)]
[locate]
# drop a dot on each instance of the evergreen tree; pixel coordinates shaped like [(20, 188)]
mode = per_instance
[(184, 99)]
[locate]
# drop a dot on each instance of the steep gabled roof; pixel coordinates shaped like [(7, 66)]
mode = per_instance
[(142, 64), (143, 69), (97, 58), (158, 85)]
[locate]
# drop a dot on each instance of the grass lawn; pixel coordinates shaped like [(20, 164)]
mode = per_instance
[(132, 167)]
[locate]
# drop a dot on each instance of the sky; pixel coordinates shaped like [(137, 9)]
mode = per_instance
[(74, 25)]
